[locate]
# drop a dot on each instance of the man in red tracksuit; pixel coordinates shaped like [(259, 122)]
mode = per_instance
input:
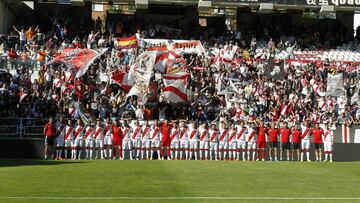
[(273, 141), (165, 141), (261, 141), (285, 141), (317, 133)]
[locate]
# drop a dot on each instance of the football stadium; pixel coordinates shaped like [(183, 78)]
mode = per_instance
[(179, 101)]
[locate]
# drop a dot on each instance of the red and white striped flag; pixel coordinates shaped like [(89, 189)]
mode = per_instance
[(174, 77), (175, 92), (122, 79), (345, 133)]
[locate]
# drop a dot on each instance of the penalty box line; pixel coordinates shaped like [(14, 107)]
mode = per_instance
[(179, 198)]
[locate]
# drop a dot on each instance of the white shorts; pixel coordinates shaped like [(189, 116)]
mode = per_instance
[(214, 145), (184, 144), (223, 145), (89, 143), (99, 143), (127, 144), (145, 144), (251, 145), (69, 143), (79, 143), (232, 145), (155, 143), (136, 143), (174, 145), (107, 140), (328, 147), (241, 144), (204, 145), (305, 144), (60, 142), (194, 144)]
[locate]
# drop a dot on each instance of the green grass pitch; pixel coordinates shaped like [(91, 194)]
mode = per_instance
[(177, 181)]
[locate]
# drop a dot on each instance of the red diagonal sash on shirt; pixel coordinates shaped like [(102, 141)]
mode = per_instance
[(136, 132), (98, 132), (241, 133), (174, 135), (107, 129), (327, 133), (57, 83), (203, 135), (213, 136), (126, 131), (145, 131), (192, 134), (182, 133), (305, 133), (232, 135), (223, 135), (77, 132), (155, 132), (88, 132), (323, 105), (68, 133), (251, 136)]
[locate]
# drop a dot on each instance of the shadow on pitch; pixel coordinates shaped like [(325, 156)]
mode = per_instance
[(34, 162)]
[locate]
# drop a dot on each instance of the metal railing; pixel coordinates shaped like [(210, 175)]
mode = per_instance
[(21, 127)]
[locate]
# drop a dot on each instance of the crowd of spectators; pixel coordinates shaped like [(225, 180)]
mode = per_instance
[(257, 97)]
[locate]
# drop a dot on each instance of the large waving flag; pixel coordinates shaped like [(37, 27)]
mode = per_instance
[(77, 60), (80, 113), (122, 79), (174, 77), (125, 43), (170, 61), (175, 93)]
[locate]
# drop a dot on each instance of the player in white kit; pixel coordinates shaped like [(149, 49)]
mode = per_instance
[(89, 140), (328, 138), (223, 140), (204, 142), (127, 143), (241, 141), (305, 141), (145, 141), (99, 140), (184, 140), (174, 141), (232, 142), (79, 139), (60, 138), (136, 139), (214, 142), (69, 139), (193, 140), (155, 133), (251, 142), (108, 149)]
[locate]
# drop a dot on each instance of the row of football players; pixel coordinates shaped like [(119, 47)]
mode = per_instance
[(178, 140)]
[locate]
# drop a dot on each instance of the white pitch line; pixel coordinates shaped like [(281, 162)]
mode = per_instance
[(182, 198)]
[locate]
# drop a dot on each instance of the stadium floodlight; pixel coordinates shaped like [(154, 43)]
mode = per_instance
[(204, 4), (326, 10), (77, 2), (266, 7), (141, 4)]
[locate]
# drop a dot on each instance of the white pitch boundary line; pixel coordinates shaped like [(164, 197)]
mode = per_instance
[(181, 198)]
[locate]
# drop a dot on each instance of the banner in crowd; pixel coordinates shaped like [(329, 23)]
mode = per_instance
[(335, 85), (122, 79), (175, 93), (80, 113), (77, 60), (188, 46), (274, 70), (170, 61), (125, 43)]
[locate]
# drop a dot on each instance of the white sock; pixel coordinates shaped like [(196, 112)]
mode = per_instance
[(253, 155), (102, 153), (87, 153), (80, 153), (131, 154), (302, 156), (330, 157), (158, 153), (110, 153), (91, 153), (181, 153), (176, 153), (206, 153), (152, 152), (196, 154), (308, 155), (187, 154), (105, 153), (216, 154)]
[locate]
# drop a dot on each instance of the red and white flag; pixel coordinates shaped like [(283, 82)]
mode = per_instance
[(22, 96), (167, 59), (122, 78), (174, 77), (345, 133), (175, 92)]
